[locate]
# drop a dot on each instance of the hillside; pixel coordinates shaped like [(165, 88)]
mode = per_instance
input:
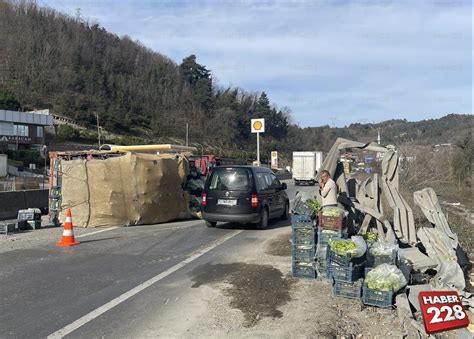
[(79, 70)]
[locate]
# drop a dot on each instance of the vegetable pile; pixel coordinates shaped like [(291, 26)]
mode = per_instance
[(313, 205), (343, 246), (334, 212), (385, 278), (370, 236)]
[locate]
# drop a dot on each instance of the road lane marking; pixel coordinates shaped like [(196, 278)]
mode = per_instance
[(100, 231), (127, 295), (158, 229)]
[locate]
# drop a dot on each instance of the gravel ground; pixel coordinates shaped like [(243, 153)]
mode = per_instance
[(308, 310)]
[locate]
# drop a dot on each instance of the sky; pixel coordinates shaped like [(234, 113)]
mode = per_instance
[(331, 62)]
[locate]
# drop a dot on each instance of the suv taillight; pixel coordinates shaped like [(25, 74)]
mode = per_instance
[(254, 200), (204, 199)]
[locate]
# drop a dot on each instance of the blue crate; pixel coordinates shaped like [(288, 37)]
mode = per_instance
[(303, 253), (345, 273), (301, 221), (303, 270), (320, 252), (300, 208), (352, 290), (324, 237), (303, 236), (344, 260), (322, 269), (377, 298), (375, 260)]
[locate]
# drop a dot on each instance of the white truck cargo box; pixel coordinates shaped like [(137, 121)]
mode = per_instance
[(306, 166)]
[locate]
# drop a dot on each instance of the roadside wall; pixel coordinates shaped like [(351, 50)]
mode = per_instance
[(12, 202)]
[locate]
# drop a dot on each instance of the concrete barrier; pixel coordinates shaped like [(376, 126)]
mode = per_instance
[(12, 202)]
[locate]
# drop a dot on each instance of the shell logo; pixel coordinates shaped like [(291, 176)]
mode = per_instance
[(257, 125)]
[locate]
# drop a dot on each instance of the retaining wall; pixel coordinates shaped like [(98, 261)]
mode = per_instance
[(12, 202)]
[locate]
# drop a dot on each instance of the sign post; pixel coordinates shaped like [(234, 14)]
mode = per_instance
[(258, 126), (274, 158)]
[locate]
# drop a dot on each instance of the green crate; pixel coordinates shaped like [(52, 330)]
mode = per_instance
[(303, 270), (377, 298), (346, 289)]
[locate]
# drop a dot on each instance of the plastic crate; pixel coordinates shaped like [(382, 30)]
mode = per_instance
[(29, 214), (322, 268), (26, 225), (303, 270), (344, 260), (377, 298), (320, 252), (352, 290), (303, 236), (300, 208), (324, 237), (303, 253), (55, 192), (332, 223), (302, 221), (375, 260), (345, 273)]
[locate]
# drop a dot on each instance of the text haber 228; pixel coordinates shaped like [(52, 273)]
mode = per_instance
[(442, 311)]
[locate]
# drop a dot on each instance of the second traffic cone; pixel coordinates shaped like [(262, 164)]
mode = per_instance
[(68, 234)]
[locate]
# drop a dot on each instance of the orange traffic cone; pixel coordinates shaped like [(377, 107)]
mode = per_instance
[(68, 234)]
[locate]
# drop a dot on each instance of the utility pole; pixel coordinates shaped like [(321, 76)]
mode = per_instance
[(98, 128), (187, 133), (258, 148)]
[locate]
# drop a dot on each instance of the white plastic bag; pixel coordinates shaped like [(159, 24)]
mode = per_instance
[(361, 246), (382, 248), (357, 244), (385, 278)]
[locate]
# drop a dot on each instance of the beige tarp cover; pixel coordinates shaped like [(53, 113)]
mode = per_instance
[(132, 189)]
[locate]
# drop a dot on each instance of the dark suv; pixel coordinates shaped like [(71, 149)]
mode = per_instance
[(243, 194)]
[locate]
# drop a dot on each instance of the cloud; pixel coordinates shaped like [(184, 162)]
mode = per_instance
[(354, 60)]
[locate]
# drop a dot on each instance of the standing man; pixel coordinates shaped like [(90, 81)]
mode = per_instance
[(327, 190)]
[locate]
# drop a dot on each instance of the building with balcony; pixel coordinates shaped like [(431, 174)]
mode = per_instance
[(23, 130)]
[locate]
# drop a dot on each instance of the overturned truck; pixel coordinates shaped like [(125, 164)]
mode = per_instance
[(104, 188)]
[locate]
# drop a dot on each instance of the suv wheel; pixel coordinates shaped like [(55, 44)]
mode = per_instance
[(211, 223), (286, 212), (263, 223)]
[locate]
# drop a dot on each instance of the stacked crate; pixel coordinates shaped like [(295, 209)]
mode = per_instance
[(303, 246), (329, 228), (345, 271), (390, 258), (345, 268), (383, 299), (324, 236)]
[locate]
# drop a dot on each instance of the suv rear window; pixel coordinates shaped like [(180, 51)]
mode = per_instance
[(230, 179)]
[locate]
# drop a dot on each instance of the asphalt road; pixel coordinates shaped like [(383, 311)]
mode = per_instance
[(107, 284)]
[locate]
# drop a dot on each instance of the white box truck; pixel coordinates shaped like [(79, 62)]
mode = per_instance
[(306, 166)]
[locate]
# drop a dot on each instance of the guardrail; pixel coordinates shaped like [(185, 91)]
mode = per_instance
[(14, 201)]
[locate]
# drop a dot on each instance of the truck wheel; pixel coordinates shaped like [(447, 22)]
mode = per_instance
[(211, 223), (297, 183), (286, 212), (263, 223)]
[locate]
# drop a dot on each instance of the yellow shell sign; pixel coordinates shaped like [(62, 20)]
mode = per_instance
[(258, 125)]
